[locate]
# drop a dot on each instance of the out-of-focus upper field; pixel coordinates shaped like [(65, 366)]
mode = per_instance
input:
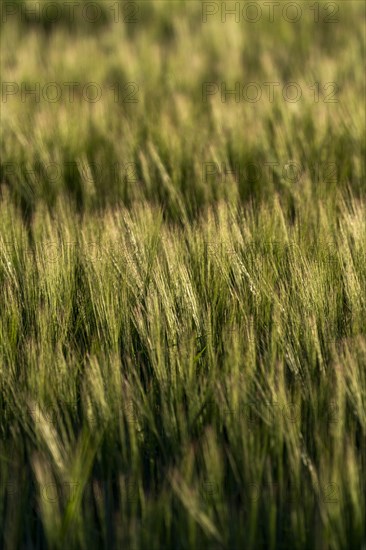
[(165, 53)]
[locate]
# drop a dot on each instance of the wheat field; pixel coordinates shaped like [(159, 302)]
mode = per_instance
[(182, 275)]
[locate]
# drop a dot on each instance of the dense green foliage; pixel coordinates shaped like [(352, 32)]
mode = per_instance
[(182, 317)]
